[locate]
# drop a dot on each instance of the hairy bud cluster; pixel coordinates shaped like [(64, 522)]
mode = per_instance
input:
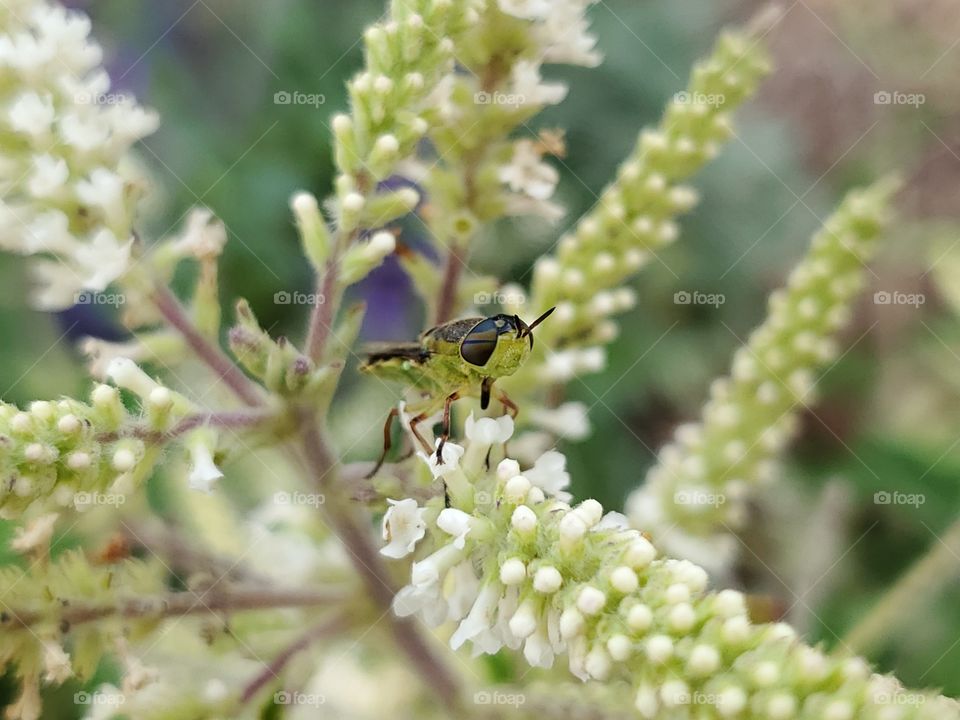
[(635, 216), (704, 478)]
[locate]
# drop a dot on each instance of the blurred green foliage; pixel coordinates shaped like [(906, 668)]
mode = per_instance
[(212, 69)]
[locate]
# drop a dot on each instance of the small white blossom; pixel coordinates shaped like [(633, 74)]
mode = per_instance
[(564, 36), (35, 535), (403, 527), (457, 523), (526, 9), (527, 84), (450, 454), (203, 235), (56, 663), (489, 431), (203, 470), (527, 173), (568, 421), (550, 475)]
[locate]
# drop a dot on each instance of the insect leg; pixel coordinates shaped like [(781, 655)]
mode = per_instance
[(445, 434), (387, 441), (414, 422), (485, 386), (509, 404)]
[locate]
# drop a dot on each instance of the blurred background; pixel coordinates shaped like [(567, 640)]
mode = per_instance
[(860, 88)]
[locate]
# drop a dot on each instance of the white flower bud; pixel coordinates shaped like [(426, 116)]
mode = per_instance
[(659, 649), (675, 693), (516, 488), (838, 710), (590, 600), (572, 527), (21, 422), (640, 553), (624, 580), (571, 623), (161, 398), (598, 664), (682, 617), (766, 673), (677, 593), (736, 630), (704, 660), (524, 620), (78, 461), (123, 460), (731, 702), (639, 617), (513, 571), (620, 647), (535, 496), (547, 579), (69, 424), (781, 706), (524, 520), (507, 469)]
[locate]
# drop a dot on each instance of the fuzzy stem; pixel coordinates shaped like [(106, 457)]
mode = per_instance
[(447, 300), (436, 675), (321, 319), (273, 669), (181, 603), (905, 599), (217, 360), (234, 420)]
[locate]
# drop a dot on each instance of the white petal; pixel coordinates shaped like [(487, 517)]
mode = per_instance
[(403, 527)]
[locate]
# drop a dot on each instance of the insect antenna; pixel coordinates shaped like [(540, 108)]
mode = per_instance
[(528, 330)]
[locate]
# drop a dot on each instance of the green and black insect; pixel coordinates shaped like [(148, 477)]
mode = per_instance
[(461, 358)]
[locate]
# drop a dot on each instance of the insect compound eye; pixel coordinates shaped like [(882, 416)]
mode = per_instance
[(480, 342)]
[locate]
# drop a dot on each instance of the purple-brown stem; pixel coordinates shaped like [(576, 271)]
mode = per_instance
[(366, 560), (212, 355), (272, 670), (180, 603)]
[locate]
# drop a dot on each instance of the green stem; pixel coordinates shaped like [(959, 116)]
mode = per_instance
[(906, 598)]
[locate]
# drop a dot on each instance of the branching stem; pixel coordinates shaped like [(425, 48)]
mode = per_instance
[(212, 355)]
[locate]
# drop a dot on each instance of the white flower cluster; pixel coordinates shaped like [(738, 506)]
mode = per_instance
[(699, 488), (560, 29), (512, 565), (69, 191)]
